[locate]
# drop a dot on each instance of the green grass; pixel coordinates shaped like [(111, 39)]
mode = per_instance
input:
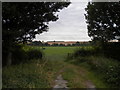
[(58, 53), (42, 73), (73, 76), (53, 53), (107, 70), (72, 72), (27, 75), (35, 74), (78, 76)]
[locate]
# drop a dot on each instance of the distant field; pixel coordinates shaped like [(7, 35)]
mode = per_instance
[(58, 53)]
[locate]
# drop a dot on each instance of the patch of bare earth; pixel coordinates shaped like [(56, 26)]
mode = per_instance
[(60, 82), (89, 84)]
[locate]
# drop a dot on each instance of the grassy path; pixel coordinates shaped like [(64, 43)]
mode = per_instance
[(79, 77), (43, 73), (76, 76)]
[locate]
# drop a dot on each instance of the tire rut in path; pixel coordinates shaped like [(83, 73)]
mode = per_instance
[(89, 84), (60, 82)]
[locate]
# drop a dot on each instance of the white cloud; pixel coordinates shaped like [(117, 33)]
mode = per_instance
[(70, 26)]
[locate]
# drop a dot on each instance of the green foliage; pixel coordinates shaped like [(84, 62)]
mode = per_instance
[(112, 75), (103, 20), (21, 21), (93, 58), (19, 55), (24, 53), (24, 76), (78, 76), (33, 74), (108, 68), (87, 51), (59, 53), (26, 19), (34, 54), (36, 43), (83, 52), (42, 73), (112, 50)]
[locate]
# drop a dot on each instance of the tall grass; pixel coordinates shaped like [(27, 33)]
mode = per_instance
[(25, 71), (108, 68), (93, 58), (27, 75), (35, 74)]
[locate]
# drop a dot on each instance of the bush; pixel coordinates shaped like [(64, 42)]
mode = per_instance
[(22, 54), (95, 59), (83, 52), (34, 54), (112, 75), (19, 55), (112, 50), (108, 68), (87, 52)]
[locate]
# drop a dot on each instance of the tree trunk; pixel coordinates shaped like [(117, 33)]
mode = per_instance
[(9, 59), (24, 42), (118, 40)]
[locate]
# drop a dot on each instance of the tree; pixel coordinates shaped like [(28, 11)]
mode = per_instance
[(36, 43), (103, 19), (61, 44), (77, 43), (21, 21), (46, 44)]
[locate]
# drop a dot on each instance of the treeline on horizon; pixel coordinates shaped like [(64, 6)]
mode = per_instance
[(39, 43)]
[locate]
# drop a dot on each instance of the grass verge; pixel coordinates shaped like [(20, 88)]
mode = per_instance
[(106, 70), (35, 74), (79, 76)]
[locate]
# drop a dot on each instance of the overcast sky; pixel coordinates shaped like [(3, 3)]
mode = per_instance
[(70, 26)]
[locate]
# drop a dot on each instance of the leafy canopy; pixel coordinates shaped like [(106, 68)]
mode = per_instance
[(21, 21), (103, 19)]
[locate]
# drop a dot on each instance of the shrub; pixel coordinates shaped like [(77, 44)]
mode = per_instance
[(112, 75), (95, 59), (34, 54), (22, 54), (19, 55), (108, 68), (87, 52), (112, 50)]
